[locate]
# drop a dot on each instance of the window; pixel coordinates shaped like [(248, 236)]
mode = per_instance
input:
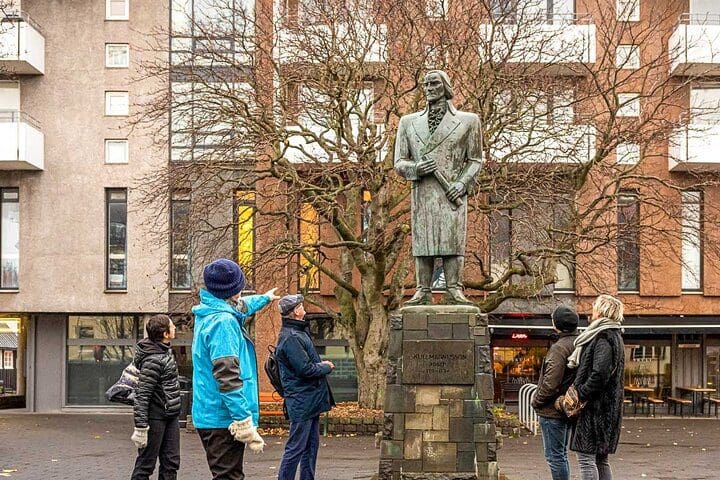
[(627, 57), (8, 360), (245, 228), (627, 153), (504, 11), (116, 151), (565, 270), (648, 364), (309, 236), (628, 10), (116, 239), (117, 55), (500, 243), (117, 104), (366, 214), (99, 347), (628, 105), (692, 241), (9, 237), (180, 265), (628, 242), (436, 8), (117, 9)]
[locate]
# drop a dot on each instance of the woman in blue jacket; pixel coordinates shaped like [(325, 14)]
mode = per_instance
[(225, 383)]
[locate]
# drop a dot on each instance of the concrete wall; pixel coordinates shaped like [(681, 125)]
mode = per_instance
[(62, 209), (49, 363)]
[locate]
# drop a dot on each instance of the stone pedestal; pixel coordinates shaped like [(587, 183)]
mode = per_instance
[(438, 422)]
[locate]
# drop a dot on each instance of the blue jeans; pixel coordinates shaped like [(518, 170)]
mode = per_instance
[(556, 437), (301, 447), (594, 467)]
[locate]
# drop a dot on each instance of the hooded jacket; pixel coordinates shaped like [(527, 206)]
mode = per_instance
[(305, 386), (158, 392), (225, 380)]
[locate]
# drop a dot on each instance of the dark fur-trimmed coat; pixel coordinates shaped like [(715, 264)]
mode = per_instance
[(599, 381)]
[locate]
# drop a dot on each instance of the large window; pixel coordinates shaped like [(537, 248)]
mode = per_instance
[(116, 238), (712, 355), (648, 364), (245, 228), (692, 241), (309, 237), (9, 237), (628, 242), (180, 265), (98, 349), (500, 243)]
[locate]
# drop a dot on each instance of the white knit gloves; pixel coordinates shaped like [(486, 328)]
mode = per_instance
[(139, 436), (244, 431)]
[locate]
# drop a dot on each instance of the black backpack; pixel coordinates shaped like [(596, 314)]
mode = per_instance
[(272, 369)]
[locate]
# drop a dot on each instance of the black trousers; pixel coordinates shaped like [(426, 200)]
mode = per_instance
[(163, 443), (224, 453)]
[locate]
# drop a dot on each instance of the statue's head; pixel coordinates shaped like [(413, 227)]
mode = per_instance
[(437, 85)]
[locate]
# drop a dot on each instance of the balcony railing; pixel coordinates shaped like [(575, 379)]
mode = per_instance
[(21, 142), (22, 45), (553, 144), (694, 46), (559, 40), (694, 147)]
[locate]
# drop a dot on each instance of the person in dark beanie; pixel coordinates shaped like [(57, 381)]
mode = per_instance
[(555, 379), (307, 393), (157, 403), (225, 408)]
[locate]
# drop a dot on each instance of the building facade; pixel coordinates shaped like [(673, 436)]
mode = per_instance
[(84, 263)]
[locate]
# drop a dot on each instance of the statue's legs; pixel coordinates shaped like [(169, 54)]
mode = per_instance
[(423, 277), (453, 267)]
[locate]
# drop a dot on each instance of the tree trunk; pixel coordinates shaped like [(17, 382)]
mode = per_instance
[(369, 344), (371, 377)]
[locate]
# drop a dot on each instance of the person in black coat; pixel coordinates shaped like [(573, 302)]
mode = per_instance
[(157, 403), (305, 387), (600, 360)]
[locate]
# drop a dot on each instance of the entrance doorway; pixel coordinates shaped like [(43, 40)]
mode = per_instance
[(13, 342)]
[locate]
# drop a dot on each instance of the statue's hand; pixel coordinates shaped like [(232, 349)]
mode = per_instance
[(457, 190), (426, 166)]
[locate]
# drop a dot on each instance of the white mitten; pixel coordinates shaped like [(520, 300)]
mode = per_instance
[(244, 431), (139, 436)]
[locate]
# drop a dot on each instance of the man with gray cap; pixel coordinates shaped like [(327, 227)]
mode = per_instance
[(555, 379), (307, 393)]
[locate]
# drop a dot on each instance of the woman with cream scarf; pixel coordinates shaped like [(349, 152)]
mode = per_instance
[(599, 358)]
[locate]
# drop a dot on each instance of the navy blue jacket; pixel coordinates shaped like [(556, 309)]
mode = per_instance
[(307, 393)]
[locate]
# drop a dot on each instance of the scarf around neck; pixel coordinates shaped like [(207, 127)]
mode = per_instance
[(602, 323)]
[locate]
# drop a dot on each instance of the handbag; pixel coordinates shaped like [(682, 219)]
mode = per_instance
[(123, 391), (570, 403)]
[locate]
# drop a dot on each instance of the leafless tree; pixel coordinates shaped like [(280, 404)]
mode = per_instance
[(299, 103)]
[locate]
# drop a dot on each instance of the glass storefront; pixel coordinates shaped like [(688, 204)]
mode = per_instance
[(648, 364), (712, 357), (99, 347), (514, 366)]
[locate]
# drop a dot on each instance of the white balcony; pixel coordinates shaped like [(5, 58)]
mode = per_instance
[(552, 144), (695, 147), (694, 46), (21, 142), (560, 46), (352, 42), (22, 46)]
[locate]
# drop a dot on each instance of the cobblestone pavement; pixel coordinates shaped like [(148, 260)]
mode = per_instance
[(80, 447)]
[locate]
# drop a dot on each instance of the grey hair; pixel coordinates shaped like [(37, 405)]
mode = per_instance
[(449, 94), (609, 307)]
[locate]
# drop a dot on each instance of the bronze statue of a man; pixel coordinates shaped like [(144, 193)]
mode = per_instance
[(440, 151)]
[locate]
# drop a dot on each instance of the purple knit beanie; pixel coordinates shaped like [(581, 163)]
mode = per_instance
[(223, 278)]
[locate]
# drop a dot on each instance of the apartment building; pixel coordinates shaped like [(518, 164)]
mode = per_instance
[(83, 264)]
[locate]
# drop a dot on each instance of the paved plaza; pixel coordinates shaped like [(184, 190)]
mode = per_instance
[(79, 447)]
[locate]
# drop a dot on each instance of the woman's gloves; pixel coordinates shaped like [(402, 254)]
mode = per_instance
[(139, 436), (244, 431)]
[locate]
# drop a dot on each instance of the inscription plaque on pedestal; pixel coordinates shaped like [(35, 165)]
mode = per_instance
[(438, 362)]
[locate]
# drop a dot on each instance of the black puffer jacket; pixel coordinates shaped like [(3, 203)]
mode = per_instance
[(599, 381), (158, 391)]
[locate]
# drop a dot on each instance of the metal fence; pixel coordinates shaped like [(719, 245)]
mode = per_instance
[(527, 414)]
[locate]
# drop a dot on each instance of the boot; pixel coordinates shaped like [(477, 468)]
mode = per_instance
[(422, 297), (455, 296), (423, 277)]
